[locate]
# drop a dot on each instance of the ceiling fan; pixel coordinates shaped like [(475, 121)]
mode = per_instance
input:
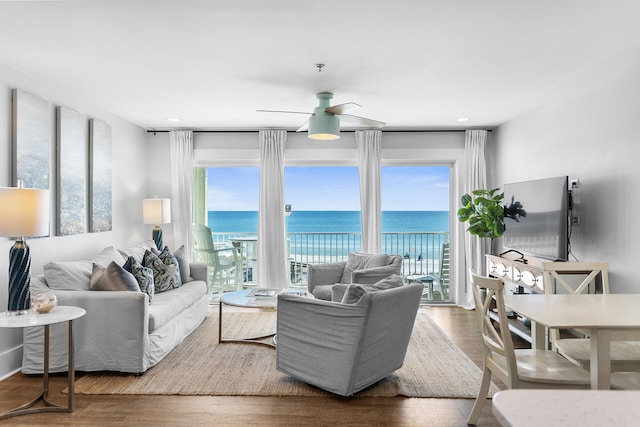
[(324, 122)]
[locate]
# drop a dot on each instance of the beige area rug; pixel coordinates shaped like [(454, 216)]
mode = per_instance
[(434, 366)]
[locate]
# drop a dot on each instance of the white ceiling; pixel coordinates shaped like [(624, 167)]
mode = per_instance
[(414, 64)]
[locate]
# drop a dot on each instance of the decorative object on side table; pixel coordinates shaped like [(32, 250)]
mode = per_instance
[(156, 211), (44, 302), (24, 212)]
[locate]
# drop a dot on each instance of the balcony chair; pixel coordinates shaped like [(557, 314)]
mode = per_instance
[(358, 268), (225, 264), (625, 355), (345, 346), (515, 368)]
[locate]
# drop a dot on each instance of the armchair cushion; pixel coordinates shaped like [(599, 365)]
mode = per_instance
[(360, 261), (349, 294)]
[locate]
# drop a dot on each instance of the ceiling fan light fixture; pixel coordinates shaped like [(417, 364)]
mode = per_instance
[(324, 127)]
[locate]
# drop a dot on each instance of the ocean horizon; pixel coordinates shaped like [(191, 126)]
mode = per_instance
[(332, 221)]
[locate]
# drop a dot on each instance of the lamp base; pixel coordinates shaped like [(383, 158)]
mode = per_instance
[(157, 236), (19, 279)]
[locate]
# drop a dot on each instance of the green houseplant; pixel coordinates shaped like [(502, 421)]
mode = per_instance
[(484, 212)]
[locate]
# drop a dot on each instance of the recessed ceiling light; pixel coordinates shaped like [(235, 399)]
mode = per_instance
[(463, 119), (173, 119)]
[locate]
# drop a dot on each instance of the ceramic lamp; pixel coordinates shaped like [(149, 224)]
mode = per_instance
[(156, 211), (24, 212)]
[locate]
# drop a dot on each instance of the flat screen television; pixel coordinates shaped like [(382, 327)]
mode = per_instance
[(536, 217)]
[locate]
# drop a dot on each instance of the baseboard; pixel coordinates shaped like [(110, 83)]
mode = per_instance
[(10, 362)]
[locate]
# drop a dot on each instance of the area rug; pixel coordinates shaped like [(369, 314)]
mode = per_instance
[(434, 366)]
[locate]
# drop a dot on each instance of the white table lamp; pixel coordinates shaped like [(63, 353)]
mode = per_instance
[(24, 212), (156, 211)]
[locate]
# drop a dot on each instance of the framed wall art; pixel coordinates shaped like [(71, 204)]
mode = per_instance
[(100, 206), (72, 159), (31, 134)]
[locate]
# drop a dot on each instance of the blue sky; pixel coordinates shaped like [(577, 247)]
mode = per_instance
[(404, 188)]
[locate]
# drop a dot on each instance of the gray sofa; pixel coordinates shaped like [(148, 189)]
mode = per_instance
[(121, 331)]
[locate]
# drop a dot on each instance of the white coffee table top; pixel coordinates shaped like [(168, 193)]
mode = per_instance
[(242, 299), (61, 313)]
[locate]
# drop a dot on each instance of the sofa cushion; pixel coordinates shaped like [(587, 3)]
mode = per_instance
[(143, 275), (164, 276), (167, 305), (112, 278), (168, 258), (137, 251), (76, 275), (359, 261), (353, 292), (183, 264)]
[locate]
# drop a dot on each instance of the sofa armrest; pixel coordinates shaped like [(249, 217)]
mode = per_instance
[(111, 335), (199, 271), (324, 274), (370, 276)]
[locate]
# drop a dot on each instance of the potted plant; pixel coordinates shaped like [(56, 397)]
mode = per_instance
[(484, 212)]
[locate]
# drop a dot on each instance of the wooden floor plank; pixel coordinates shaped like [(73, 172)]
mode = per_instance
[(459, 324)]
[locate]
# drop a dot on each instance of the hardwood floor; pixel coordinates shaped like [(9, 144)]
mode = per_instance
[(93, 410)]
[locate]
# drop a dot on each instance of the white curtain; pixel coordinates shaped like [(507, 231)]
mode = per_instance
[(475, 177), (272, 255), (181, 153), (369, 145)]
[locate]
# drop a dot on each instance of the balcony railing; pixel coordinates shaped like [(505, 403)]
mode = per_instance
[(422, 253)]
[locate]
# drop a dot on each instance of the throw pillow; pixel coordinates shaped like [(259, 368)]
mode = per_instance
[(68, 275), (143, 275), (164, 276), (353, 294), (183, 264), (168, 258), (107, 255), (112, 278), (137, 251), (359, 261)]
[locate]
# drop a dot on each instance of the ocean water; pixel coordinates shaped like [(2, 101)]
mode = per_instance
[(333, 221)]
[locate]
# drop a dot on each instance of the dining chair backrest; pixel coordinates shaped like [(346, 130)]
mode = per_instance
[(556, 275), (497, 342)]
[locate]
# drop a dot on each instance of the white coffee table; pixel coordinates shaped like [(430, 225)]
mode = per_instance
[(242, 299), (57, 315)]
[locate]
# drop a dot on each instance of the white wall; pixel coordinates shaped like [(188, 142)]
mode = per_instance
[(128, 189), (589, 132)]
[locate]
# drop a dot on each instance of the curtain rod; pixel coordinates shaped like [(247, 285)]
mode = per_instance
[(345, 131)]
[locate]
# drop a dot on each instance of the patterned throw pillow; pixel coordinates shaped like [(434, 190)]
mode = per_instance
[(112, 278), (143, 275), (164, 276), (168, 258)]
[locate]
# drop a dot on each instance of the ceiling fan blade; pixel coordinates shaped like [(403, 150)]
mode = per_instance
[(342, 108), (304, 127), (279, 111), (348, 118)]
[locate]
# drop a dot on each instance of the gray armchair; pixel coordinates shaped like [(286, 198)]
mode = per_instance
[(344, 348), (359, 268)]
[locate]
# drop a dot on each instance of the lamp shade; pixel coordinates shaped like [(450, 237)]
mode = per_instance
[(324, 126), (156, 211), (24, 212)]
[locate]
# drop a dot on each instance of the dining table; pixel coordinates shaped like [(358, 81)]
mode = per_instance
[(606, 318)]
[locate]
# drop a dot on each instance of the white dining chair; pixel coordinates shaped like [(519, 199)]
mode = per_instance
[(583, 277), (516, 368)]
